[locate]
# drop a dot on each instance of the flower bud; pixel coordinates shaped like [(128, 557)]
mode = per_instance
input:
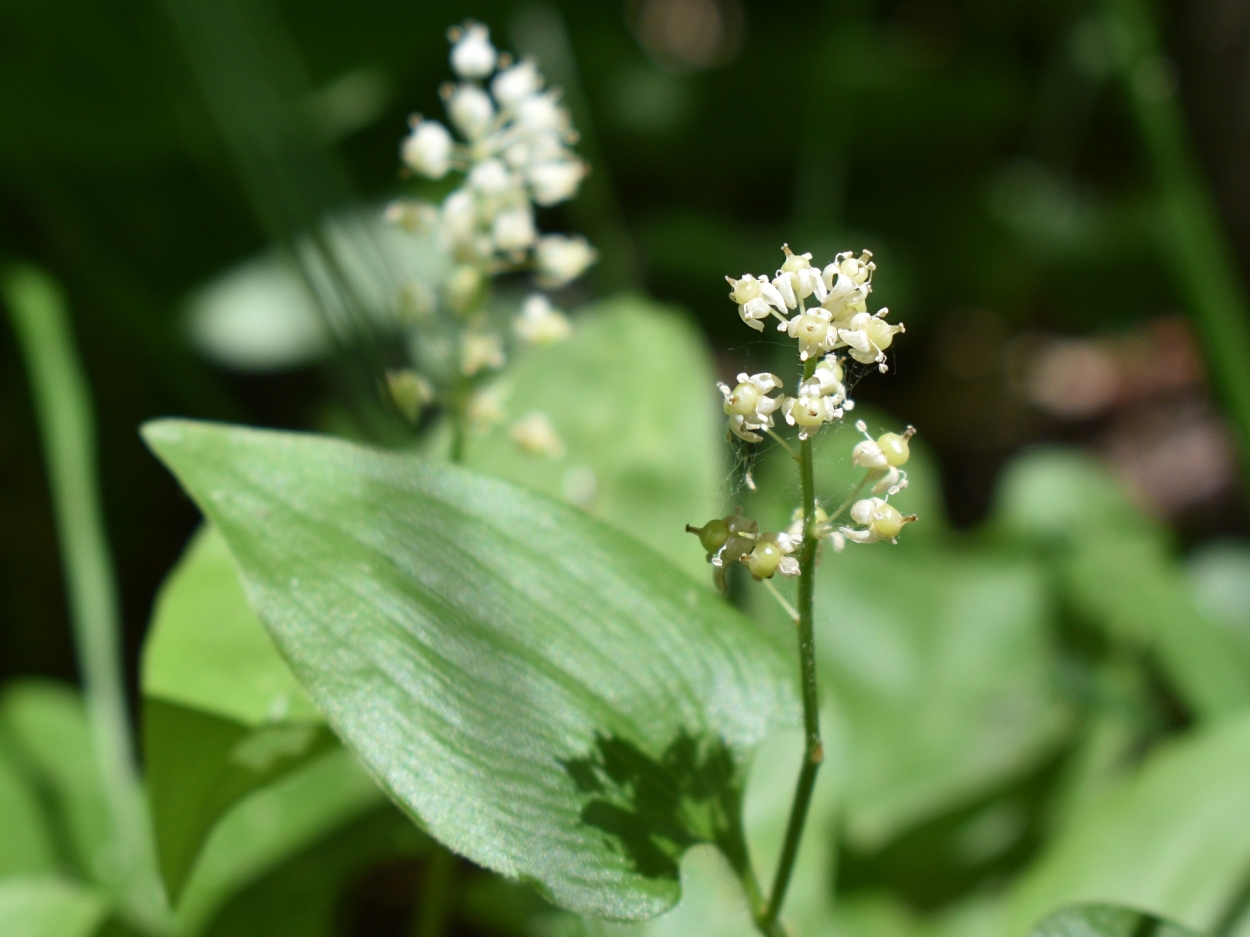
[(556, 181), (559, 260), (894, 447), (712, 535), (472, 56), (514, 230), (410, 392), (471, 110), (513, 85), (427, 150)]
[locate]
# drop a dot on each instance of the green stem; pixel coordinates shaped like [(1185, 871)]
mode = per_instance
[(814, 752), (1198, 250), (854, 494), (431, 919), (784, 445), (63, 406)]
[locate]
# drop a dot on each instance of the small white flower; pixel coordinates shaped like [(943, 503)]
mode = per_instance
[(815, 332), (556, 181), (826, 380), (471, 111), (491, 177), (868, 337), (880, 520), (427, 150), (559, 260), (513, 85), (479, 350), (849, 281), (748, 405), (757, 299), (810, 412), (459, 217), (540, 323), (868, 454), (513, 230), (472, 56), (535, 434), (798, 279), (542, 114)]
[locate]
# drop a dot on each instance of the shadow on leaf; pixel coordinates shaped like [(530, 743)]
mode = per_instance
[(653, 810)]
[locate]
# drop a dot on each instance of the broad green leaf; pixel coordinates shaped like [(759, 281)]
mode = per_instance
[(632, 396), (207, 650), (199, 765), (269, 826), (303, 896), (1117, 569), (223, 713), (46, 727), (1105, 920), (1174, 840), (27, 845), (49, 907), (546, 695)]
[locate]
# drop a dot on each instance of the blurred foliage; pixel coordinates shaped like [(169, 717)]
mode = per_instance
[(1052, 710)]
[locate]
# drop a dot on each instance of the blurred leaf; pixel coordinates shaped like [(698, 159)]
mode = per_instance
[(1220, 578), (1174, 840), (304, 896), (271, 825), (199, 765), (49, 907), (632, 397), (1104, 920), (1117, 570), (207, 650), (223, 713), (500, 714), (46, 726), (27, 845)]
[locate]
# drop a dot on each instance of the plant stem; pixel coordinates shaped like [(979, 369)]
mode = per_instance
[(431, 917), (1198, 252), (63, 406), (814, 752), (850, 500)]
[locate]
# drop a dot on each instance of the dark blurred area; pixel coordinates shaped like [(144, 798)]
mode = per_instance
[(983, 149)]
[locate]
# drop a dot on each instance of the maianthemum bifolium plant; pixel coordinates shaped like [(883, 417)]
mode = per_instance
[(536, 689)]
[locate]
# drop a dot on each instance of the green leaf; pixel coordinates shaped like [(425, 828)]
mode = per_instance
[(207, 650), (27, 845), (223, 714), (269, 826), (632, 396), (1174, 840), (46, 726), (1105, 920), (543, 693), (199, 765), (1118, 570), (49, 907)]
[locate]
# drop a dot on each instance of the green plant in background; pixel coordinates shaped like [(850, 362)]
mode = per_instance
[(1018, 720)]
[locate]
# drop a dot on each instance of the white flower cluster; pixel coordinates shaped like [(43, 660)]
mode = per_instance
[(512, 148), (515, 154), (839, 315)]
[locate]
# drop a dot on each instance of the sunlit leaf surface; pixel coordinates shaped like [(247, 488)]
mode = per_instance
[(543, 693)]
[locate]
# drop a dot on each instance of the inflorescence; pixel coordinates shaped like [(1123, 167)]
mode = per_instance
[(512, 148), (836, 319)]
